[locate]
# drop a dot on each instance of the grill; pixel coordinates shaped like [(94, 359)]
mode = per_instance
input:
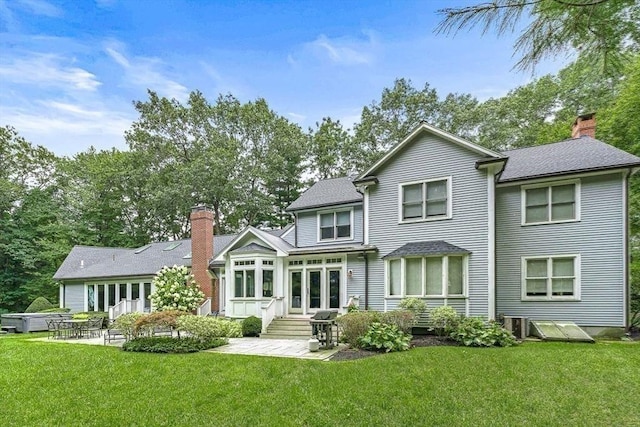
[(323, 324)]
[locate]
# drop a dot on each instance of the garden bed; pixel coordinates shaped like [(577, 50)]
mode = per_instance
[(349, 353)]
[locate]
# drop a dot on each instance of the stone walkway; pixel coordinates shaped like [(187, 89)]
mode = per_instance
[(276, 348), (298, 349)]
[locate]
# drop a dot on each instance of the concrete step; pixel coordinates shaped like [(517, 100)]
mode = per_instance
[(286, 327), (285, 337)]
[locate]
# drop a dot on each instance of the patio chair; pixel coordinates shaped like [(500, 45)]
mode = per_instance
[(93, 327), (53, 330)]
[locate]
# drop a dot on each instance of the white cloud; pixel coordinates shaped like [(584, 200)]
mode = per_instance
[(300, 118), (341, 51), (145, 72), (41, 7), (47, 70)]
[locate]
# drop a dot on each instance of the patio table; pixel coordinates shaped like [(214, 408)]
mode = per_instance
[(75, 326)]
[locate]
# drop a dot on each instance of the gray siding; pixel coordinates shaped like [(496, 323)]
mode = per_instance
[(308, 228), (355, 283), (598, 238), (290, 237), (74, 297), (426, 158)]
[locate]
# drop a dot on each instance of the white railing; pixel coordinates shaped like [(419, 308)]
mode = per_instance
[(205, 308), (268, 314), (273, 309), (126, 306)]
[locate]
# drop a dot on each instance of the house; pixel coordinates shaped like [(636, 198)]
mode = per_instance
[(539, 232)]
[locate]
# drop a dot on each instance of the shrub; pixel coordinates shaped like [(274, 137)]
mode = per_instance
[(92, 315), (170, 345), (443, 320), (402, 319), (126, 324), (175, 289), (251, 326), (415, 305), (205, 328), (352, 307), (474, 332), (166, 319), (55, 310), (355, 325), (39, 304), (385, 337)]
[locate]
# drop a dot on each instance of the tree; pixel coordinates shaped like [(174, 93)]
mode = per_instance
[(603, 30), (95, 192), (332, 152)]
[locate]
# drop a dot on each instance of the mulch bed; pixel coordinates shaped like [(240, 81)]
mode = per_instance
[(349, 353)]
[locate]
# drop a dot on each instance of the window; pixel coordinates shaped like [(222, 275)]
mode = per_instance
[(546, 203), (267, 262), (250, 262), (267, 283), (437, 276), (335, 225), (426, 200), (296, 262), (551, 278), (245, 284)]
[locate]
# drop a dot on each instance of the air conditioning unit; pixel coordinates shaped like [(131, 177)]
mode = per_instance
[(519, 326)]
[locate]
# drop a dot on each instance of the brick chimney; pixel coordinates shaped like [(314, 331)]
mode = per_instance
[(585, 125), (202, 250)]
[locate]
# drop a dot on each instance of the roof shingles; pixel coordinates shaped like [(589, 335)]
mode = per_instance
[(561, 158), (327, 192)]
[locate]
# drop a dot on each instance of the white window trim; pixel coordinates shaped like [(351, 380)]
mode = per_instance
[(523, 201), (576, 287), (445, 278), (319, 238), (449, 214)]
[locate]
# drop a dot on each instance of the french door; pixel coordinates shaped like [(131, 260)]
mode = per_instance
[(313, 290)]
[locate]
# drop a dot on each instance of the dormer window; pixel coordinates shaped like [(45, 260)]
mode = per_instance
[(335, 225)]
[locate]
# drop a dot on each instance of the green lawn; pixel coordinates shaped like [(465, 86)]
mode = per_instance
[(532, 384)]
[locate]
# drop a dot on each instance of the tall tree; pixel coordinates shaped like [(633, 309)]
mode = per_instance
[(604, 30), (332, 151)]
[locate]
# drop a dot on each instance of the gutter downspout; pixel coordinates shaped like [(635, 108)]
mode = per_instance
[(295, 236), (366, 280)]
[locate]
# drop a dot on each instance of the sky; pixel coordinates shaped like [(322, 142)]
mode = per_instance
[(70, 70)]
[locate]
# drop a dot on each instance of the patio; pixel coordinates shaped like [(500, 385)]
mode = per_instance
[(298, 349)]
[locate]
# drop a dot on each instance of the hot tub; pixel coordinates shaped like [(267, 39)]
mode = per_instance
[(31, 322)]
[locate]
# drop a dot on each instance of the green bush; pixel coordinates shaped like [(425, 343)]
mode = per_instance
[(415, 305), (175, 289), (251, 326), (170, 345), (355, 325), (474, 332), (55, 310), (92, 315), (126, 324), (39, 304), (443, 320), (385, 337), (162, 319), (205, 328), (402, 319)]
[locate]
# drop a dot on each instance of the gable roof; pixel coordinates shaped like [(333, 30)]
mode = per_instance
[(253, 248), (435, 247), (424, 127), (328, 192), (272, 242), (570, 156)]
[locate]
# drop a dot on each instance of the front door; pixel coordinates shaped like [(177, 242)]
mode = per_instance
[(314, 291), (295, 281), (333, 280)]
